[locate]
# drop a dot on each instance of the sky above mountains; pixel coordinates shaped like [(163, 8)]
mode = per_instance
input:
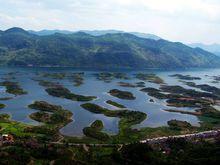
[(187, 21)]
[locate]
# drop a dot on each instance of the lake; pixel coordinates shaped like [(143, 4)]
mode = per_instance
[(17, 107)]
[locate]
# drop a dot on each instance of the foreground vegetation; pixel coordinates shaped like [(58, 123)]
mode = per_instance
[(172, 152)]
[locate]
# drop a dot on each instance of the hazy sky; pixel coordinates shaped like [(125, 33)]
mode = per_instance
[(176, 20)]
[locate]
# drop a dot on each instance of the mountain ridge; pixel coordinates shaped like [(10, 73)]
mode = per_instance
[(119, 50), (94, 33), (213, 48)]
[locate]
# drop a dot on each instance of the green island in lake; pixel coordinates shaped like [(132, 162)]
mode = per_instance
[(13, 88), (2, 106), (115, 104), (65, 93), (122, 94)]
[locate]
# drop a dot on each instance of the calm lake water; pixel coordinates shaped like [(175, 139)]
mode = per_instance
[(17, 107)]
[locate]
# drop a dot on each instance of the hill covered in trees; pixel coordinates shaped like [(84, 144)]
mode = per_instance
[(120, 50)]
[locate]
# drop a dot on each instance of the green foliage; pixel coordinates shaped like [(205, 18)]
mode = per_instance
[(98, 125), (4, 117), (94, 131), (179, 125), (127, 119), (91, 132), (44, 106), (173, 152), (56, 119), (41, 117), (128, 115)]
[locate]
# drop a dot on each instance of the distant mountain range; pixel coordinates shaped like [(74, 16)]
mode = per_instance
[(94, 33), (214, 48), (109, 50)]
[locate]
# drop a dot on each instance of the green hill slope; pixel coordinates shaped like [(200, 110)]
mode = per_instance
[(121, 50)]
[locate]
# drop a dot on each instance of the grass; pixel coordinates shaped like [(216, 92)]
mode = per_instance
[(12, 127)]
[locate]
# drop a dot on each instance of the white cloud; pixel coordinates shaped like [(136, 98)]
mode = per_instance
[(180, 20)]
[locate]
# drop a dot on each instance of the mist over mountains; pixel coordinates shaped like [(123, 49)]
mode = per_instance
[(214, 48), (98, 49), (94, 33)]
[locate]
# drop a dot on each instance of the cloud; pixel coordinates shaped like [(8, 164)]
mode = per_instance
[(178, 20)]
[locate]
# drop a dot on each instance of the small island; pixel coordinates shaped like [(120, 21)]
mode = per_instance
[(205, 87), (151, 100), (44, 106), (13, 88), (109, 76), (185, 77), (216, 79), (187, 92), (5, 98), (155, 93), (2, 106), (140, 84), (66, 93), (54, 117), (182, 112), (59, 75), (122, 94), (206, 111), (125, 84), (178, 96), (95, 131), (128, 117), (153, 78), (77, 78), (188, 102), (48, 84), (115, 104)]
